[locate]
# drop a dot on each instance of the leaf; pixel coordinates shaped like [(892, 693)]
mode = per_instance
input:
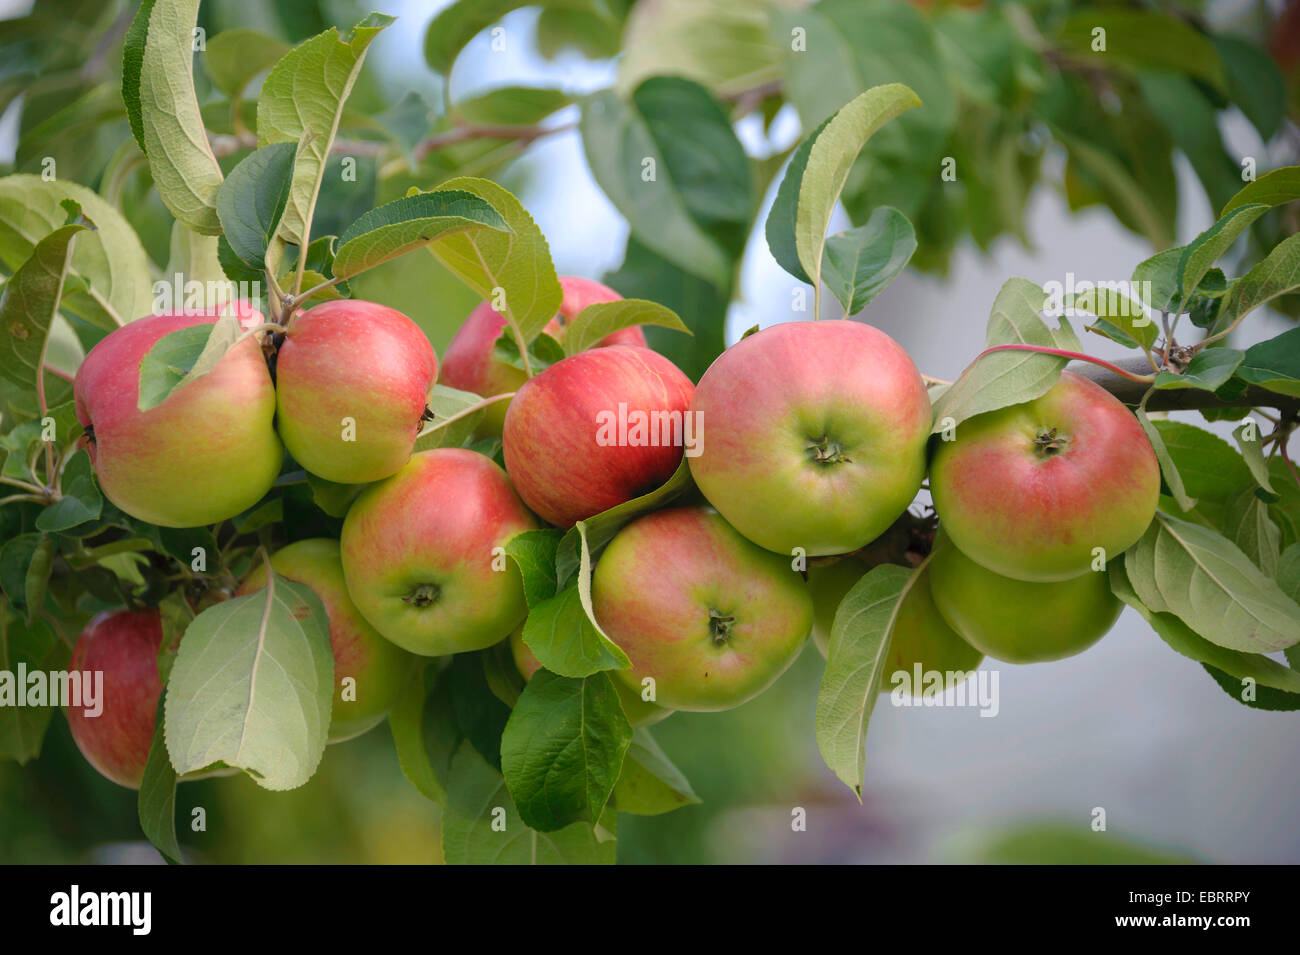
[(252, 199), (565, 639), (235, 56), (1277, 274), (1250, 527), (81, 500), (132, 61), (1203, 579), (780, 227), (1160, 274), (1247, 437), (534, 552), (193, 258), (1130, 199), (858, 263), (1168, 466), (851, 682), (457, 24), (156, 803), (650, 784), (332, 498), (36, 580), (1203, 251), (512, 105), (1120, 317), (1274, 364), (1255, 84), (1212, 472), (479, 716), (17, 554), (1142, 39), (424, 732), (252, 686), (829, 161), (180, 357), (1274, 188), (444, 429), (36, 647), (408, 223), (1008, 378), (516, 261), (597, 321), (480, 825), (563, 749), (302, 102), (1260, 698), (543, 351), (1208, 370), (29, 302), (184, 170)]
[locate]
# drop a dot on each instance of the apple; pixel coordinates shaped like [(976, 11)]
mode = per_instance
[(375, 667), (123, 645), (352, 382), (423, 554), (595, 430), (639, 711), (1030, 491), (920, 633), (712, 618), (207, 453), (468, 363), (1020, 621), (816, 435)]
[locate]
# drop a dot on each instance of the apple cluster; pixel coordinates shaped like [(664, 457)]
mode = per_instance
[(813, 439)]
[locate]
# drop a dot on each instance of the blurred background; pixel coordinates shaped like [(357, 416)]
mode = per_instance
[(1182, 772)]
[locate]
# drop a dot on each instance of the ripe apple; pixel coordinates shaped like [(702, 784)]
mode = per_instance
[(423, 554), (1029, 491), (208, 452), (352, 381), (123, 645), (816, 435), (376, 667), (639, 711), (595, 430), (468, 363), (711, 617), (920, 635), (1020, 621)]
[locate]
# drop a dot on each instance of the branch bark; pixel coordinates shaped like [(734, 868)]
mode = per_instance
[(1177, 399)]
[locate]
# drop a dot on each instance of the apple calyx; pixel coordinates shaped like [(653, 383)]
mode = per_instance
[(720, 626), (824, 450), (424, 595), (1050, 442)]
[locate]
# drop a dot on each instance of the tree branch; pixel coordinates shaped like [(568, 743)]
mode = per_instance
[(1178, 399)]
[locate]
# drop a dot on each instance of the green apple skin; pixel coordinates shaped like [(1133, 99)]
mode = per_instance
[(204, 455), (921, 635), (348, 359), (814, 435), (711, 617), (377, 666), (639, 712), (1020, 621), (1029, 491), (423, 553)]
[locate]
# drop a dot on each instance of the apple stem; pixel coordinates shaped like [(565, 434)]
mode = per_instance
[(720, 626), (424, 595), (463, 413), (1074, 355)]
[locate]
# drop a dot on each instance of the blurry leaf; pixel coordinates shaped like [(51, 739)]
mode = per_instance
[(562, 750), (424, 732), (29, 302), (1255, 84), (820, 78), (479, 715), (235, 56), (1205, 580), (650, 784), (17, 554), (1009, 377), (1068, 844), (458, 23), (513, 105), (1141, 39), (252, 686), (1193, 124), (194, 258), (252, 199), (595, 322), (850, 684), (37, 648), (301, 102), (1130, 199), (859, 263), (180, 357), (156, 803)]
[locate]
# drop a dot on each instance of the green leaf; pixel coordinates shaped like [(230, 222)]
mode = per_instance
[(181, 356), (543, 351), (235, 56), (1010, 377), (1274, 188), (81, 501), (534, 552), (563, 635), (650, 784), (1274, 364), (1249, 526), (445, 429), (1258, 697), (132, 61), (302, 102), (597, 321), (480, 825), (424, 732), (780, 227), (1208, 370), (859, 263), (36, 579), (1120, 317), (512, 105), (1142, 39), (1203, 251), (411, 222), (37, 648), (1131, 199), (185, 172), (830, 160), (16, 555), (457, 24), (1169, 469), (1207, 582), (320, 259), (156, 803), (252, 199), (193, 257), (29, 302), (1211, 471), (851, 682), (332, 498), (253, 685), (511, 268), (563, 749), (479, 715), (1255, 84), (1277, 274), (1160, 273), (1248, 440)]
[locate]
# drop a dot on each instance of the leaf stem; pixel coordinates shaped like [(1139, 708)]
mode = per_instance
[(466, 412), (1073, 355)]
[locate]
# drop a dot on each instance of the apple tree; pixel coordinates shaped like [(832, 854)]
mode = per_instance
[(301, 431)]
